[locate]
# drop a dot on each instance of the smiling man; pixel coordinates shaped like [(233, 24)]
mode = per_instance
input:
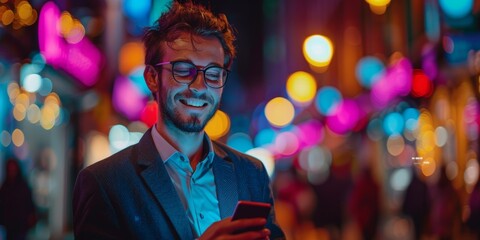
[(176, 183)]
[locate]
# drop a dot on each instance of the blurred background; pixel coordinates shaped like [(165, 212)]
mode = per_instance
[(365, 112)]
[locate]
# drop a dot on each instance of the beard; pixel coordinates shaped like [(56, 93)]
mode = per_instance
[(191, 123)]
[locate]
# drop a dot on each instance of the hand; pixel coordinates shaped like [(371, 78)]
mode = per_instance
[(228, 229)]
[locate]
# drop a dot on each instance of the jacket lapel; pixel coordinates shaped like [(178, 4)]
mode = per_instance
[(226, 183), (157, 179)]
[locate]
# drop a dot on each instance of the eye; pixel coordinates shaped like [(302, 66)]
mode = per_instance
[(214, 73)]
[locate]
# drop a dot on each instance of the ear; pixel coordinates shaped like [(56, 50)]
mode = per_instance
[(150, 75)]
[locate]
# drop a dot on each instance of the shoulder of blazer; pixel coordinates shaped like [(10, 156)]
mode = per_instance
[(235, 156)]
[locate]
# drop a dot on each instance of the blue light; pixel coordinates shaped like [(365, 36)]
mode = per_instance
[(136, 9), (265, 137), (240, 141), (456, 8), (327, 100), (136, 76), (368, 71), (411, 118), (393, 123)]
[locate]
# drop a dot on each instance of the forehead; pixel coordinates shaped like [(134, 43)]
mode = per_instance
[(194, 48)]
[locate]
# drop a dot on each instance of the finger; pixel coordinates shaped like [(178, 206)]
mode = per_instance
[(246, 223), (261, 234)]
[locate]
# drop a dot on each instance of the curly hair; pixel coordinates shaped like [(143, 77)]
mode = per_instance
[(193, 19)]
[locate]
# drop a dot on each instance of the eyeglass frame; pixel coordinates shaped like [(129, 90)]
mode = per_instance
[(197, 69)]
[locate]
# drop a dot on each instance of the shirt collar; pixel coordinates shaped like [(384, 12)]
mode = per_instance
[(166, 150)]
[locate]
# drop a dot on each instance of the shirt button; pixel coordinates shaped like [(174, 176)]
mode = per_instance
[(201, 216)]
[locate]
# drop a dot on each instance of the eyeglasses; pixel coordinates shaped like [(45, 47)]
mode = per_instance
[(186, 73)]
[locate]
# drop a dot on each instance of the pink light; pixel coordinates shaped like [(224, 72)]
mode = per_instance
[(131, 106), (346, 117), (310, 133), (286, 143), (82, 60), (397, 81), (48, 38)]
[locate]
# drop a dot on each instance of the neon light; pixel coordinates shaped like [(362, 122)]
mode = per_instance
[(82, 60)]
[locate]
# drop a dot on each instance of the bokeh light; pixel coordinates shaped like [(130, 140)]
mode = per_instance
[(301, 87), (395, 144), (118, 137), (265, 137), (218, 126), (378, 6), (410, 115), (428, 166), (368, 71), (471, 172), (441, 136), (5, 138), (132, 106), (279, 112), (240, 141), (393, 123), (32, 83), (421, 86), (286, 143), (131, 56), (327, 100), (318, 50), (149, 113), (400, 179), (456, 8), (18, 138), (266, 157), (98, 148), (345, 118)]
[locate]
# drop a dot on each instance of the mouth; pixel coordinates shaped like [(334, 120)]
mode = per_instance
[(194, 102)]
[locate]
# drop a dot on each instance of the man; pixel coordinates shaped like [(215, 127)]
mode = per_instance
[(176, 183)]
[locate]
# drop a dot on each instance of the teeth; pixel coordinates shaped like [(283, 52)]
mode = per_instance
[(194, 102)]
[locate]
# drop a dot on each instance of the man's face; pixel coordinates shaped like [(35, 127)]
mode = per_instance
[(189, 107)]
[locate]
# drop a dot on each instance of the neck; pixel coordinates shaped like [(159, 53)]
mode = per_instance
[(188, 143)]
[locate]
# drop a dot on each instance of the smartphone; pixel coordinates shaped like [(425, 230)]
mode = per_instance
[(248, 209)]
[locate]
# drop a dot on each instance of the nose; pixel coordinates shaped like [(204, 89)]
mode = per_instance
[(198, 83)]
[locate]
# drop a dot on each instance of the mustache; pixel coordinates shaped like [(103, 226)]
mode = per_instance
[(191, 94)]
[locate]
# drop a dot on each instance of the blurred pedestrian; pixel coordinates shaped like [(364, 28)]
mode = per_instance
[(416, 203), (17, 211), (364, 204)]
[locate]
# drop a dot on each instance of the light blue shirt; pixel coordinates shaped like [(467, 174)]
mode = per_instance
[(196, 190)]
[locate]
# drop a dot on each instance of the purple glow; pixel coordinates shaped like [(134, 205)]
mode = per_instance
[(346, 117), (310, 133), (82, 60), (131, 106)]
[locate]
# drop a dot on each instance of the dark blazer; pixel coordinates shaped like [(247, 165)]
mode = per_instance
[(130, 195)]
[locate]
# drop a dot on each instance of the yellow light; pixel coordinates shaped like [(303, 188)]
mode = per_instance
[(47, 119), (301, 87), (7, 17), (378, 2), (428, 167), (130, 57), (52, 98), (279, 112), (19, 112), (318, 50), (65, 23), (218, 126), (17, 137), (77, 33), (24, 10)]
